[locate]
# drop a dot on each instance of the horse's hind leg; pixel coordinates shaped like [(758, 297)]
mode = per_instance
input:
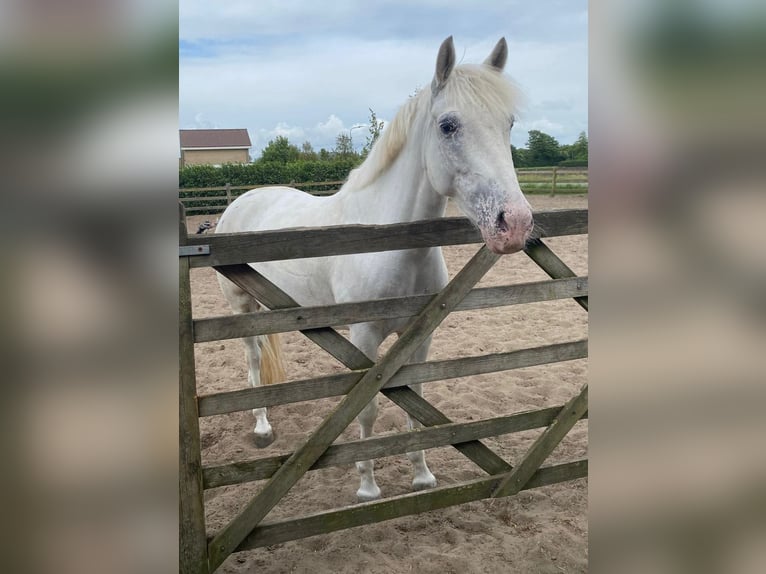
[(241, 302), (263, 433), (423, 477)]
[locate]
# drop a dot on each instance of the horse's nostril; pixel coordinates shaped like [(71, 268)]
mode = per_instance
[(502, 225)]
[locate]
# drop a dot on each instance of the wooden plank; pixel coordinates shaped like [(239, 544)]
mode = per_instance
[(549, 262), (429, 415), (199, 189), (336, 385), (273, 297), (553, 182), (560, 190), (385, 445), (400, 506), (284, 393), (214, 208), (187, 200), (373, 380), (192, 538), (515, 480), (542, 169), (296, 319), (223, 187), (252, 247), (563, 174), (317, 183), (249, 187)]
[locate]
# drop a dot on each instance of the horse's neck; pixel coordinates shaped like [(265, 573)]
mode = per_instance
[(401, 193)]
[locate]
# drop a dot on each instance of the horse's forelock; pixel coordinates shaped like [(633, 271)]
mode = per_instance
[(470, 86)]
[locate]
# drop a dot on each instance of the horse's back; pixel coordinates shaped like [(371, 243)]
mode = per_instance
[(267, 208), (271, 208), (332, 279)]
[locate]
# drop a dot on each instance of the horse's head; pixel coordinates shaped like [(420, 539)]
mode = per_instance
[(468, 148)]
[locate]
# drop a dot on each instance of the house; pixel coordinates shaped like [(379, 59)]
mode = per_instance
[(214, 147)]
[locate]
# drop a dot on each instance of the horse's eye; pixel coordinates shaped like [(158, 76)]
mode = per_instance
[(448, 126), (513, 121)]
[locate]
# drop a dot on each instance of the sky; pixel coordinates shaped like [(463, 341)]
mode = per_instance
[(311, 70)]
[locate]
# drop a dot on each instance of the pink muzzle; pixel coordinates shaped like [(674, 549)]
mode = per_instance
[(509, 232)]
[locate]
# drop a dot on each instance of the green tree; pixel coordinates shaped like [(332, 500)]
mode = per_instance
[(542, 149), (343, 146), (519, 156), (280, 150), (307, 151), (374, 131), (579, 149)]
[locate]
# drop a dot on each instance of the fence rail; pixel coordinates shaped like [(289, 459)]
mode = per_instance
[(384, 445), (230, 248), (532, 180), (391, 375), (278, 321)]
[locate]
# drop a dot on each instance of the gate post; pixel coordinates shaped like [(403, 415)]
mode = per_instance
[(554, 177), (192, 554)]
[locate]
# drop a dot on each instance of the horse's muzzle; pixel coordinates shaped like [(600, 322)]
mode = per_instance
[(509, 232)]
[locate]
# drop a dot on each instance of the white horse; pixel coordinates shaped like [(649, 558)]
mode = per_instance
[(451, 140)]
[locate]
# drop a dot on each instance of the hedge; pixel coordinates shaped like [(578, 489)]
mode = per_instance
[(262, 173), (573, 163)]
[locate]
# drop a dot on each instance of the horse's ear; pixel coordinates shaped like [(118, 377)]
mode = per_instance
[(499, 56), (445, 61)]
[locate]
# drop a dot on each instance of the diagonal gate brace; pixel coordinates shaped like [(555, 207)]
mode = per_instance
[(429, 415), (549, 262), (569, 414), (252, 282)]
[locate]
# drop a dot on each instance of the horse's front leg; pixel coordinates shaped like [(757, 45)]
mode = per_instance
[(367, 339), (423, 477)]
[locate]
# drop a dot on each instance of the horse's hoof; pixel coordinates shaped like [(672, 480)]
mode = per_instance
[(264, 440), (424, 483), (368, 495)]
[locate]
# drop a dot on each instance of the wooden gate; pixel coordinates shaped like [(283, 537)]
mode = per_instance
[(229, 254)]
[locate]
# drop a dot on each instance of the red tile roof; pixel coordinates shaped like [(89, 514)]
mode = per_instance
[(214, 138)]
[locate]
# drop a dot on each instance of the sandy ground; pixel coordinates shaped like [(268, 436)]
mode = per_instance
[(541, 530)]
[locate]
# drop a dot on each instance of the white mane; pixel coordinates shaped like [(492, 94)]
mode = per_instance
[(469, 86)]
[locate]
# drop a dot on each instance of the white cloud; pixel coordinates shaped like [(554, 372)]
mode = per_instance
[(293, 133), (201, 122), (321, 135), (329, 129), (237, 88), (544, 125), (309, 71)]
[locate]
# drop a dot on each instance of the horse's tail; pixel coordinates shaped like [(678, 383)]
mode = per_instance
[(272, 366)]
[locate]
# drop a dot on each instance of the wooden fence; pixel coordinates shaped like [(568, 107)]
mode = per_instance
[(391, 375), (532, 180), (553, 180)]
